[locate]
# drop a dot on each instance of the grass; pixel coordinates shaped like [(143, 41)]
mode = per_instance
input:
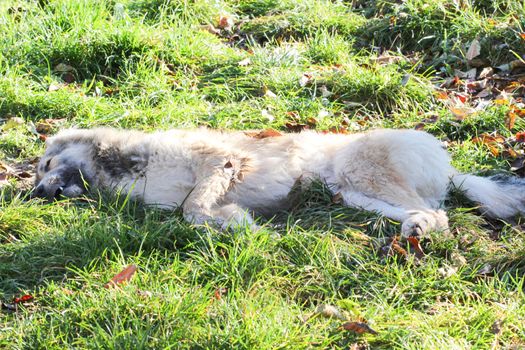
[(154, 64)]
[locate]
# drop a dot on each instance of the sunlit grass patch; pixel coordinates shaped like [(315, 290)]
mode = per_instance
[(259, 64)]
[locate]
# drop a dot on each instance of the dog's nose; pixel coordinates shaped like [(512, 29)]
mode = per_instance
[(58, 192), (39, 191)]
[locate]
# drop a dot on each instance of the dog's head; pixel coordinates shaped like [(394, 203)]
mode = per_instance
[(66, 168)]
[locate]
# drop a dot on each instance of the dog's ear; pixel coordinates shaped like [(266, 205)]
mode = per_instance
[(65, 135), (50, 141)]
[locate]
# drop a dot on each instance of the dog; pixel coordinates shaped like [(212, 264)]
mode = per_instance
[(224, 178)]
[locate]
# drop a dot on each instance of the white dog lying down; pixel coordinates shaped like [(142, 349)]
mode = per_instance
[(222, 178)]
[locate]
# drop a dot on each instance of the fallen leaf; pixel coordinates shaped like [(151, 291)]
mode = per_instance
[(63, 68), (225, 22), (68, 77), (477, 85), (414, 243), (210, 29), (511, 119), (3, 180), (393, 248), (267, 115), (487, 72), (337, 198), (305, 79), (245, 62), (122, 277), (485, 269), (263, 134), (474, 49), (517, 164), (311, 122), (338, 130), (461, 112), (441, 95), (295, 127), (492, 142), (447, 271), (511, 65), (470, 74), (144, 293), (324, 91), (9, 307), (23, 299), (457, 259), (386, 58), (54, 87), (45, 126), (520, 137), (484, 93), (358, 327), (269, 93), (496, 327), (329, 311), (478, 62), (219, 293)]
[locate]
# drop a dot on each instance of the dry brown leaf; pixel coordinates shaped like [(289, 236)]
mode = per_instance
[(441, 95), (393, 248), (263, 134), (210, 29), (462, 112), (358, 327), (386, 58), (511, 119), (520, 137), (122, 277), (337, 198), (414, 243), (3, 180), (474, 49), (496, 327), (225, 22), (487, 72), (295, 127), (484, 93), (470, 74)]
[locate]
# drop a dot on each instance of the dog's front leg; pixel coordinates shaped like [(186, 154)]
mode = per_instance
[(203, 204)]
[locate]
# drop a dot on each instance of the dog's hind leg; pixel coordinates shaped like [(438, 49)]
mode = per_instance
[(416, 221)]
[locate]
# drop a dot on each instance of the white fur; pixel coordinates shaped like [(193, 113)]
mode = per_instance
[(223, 177)]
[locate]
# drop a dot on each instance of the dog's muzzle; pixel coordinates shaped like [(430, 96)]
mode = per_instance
[(49, 191)]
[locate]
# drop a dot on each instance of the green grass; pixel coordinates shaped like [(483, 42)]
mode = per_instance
[(152, 64)]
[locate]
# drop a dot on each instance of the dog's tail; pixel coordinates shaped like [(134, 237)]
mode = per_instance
[(499, 196)]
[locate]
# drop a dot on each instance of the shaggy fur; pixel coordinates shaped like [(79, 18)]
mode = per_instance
[(223, 178)]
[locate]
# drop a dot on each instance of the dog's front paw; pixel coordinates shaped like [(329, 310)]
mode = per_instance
[(415, 226), (421, 222)]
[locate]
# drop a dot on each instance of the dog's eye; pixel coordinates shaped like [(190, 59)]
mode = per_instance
[(46, 167)]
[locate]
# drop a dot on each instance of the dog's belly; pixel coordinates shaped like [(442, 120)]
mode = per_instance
[(264, 193)]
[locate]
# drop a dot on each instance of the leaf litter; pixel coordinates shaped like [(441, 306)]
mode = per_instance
[(332, 312)]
